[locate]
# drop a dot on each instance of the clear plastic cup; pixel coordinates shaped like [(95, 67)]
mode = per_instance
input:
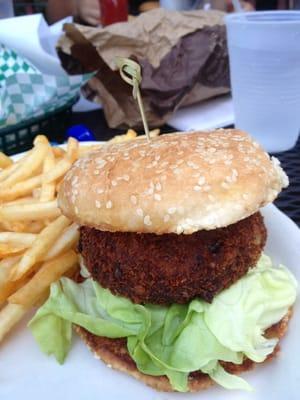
[(264, 55), (6, 9)]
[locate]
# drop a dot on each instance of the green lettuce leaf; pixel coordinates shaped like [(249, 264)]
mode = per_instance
[(178, 339)]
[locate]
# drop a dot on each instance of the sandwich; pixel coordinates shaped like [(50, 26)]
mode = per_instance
[(174, 287)]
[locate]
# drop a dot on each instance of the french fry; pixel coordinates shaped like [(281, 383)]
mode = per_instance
[(67, 240), (35, 226), (61, 167), (40, 246), (86, 149), (6, 266), (41, 300), (28, 167), (154, 132), (13, 226), (20, 189), (58, 152), (22, 200), (48, 189), (8, 171), (8, 249), (10, 315), (41, 139), (72, 149), (8, 288), (5, 161), (49, 272), (23, 239), (129, 135), (36, 194), (29, 212)]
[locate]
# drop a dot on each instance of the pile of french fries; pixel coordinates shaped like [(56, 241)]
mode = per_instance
[(37, 243)]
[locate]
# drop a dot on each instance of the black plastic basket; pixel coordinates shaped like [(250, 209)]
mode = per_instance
[(17, 138)]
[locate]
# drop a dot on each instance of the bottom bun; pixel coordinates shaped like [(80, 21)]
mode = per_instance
[(114, 353)]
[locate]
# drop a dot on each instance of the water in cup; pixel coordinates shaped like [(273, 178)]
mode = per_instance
[(264, 50)]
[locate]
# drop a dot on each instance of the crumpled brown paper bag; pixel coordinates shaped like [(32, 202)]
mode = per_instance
[(183, 57)]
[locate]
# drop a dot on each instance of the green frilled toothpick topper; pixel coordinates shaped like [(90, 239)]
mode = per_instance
[(130, 72)]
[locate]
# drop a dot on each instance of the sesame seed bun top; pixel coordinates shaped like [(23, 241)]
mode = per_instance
[(176, 183)]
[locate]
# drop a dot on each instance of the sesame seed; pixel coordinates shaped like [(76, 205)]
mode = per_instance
[(166, 218), (126, 178), (99, 191), (100, 163), (133, 199), (192, 165), (98, 204), (180, 209), (140, 212), (96, 172), (108, 204), (225, 185), (206, 188), (157, 196), (147, 220), (201, 180), (197, 188), (149, 191), (172, 210), (114, 183), (76, 210)]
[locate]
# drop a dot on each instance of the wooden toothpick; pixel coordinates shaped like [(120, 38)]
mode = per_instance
[(130, 72)]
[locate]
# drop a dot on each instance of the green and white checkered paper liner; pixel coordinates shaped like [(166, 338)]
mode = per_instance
[(26, 93)]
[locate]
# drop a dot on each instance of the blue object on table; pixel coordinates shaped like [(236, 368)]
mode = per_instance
[(81, 133)]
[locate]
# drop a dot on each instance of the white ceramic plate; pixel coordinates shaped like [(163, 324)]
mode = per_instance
[(26, 373)]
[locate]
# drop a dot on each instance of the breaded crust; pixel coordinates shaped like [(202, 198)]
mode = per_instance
[(171, 268), (114, 353)]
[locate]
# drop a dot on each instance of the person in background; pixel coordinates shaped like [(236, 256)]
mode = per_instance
[(88, 11)]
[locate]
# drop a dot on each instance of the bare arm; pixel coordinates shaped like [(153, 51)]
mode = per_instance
[(87, 10), (57, 9)]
